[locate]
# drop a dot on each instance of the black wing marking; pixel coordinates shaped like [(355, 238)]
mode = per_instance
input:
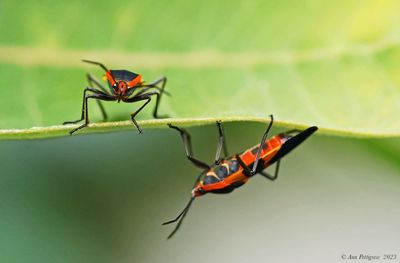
[(124, 75), (293, 142)]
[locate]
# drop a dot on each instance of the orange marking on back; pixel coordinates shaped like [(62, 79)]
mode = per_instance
[(110, 78), (236, 177), (135, 81), (214, 186), (273, 146)]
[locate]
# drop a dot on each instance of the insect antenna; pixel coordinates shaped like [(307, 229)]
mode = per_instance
[(180, 217), (101, 65), (95, 63)]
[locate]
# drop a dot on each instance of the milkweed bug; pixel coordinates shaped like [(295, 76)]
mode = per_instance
[(122, 86), (228, 173)]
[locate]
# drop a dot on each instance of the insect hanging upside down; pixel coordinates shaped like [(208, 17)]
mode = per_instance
[(124, 86), (228, 173)]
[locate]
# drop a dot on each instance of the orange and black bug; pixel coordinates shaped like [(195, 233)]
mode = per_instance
[(228, 173), (124, 86)]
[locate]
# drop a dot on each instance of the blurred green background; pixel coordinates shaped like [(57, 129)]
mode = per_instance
[(103, 197)]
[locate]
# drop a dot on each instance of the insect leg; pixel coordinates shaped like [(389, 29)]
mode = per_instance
[(163, 81), (221, 144), (253, 171), (247, 170), (188, 147), (83, 103), (146, 96), (158, 94), (91, 80), (153, 85), (148, 99), (85, 111), (270, 177)]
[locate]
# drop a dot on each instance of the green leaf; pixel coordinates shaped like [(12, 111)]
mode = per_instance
[(307, 62)]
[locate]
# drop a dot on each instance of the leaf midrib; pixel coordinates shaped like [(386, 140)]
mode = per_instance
[(39, 56), (60, 130)]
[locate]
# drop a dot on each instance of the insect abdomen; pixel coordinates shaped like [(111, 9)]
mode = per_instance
[(269, 149)]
